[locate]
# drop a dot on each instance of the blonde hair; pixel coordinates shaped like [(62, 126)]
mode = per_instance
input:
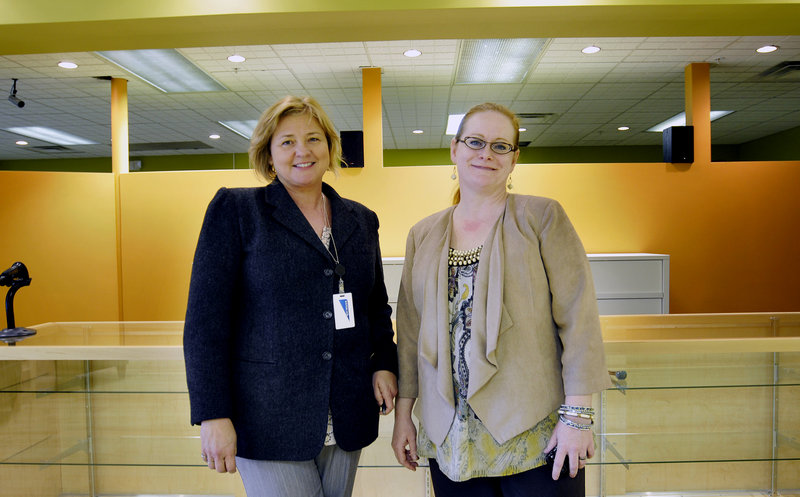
[(491, 107), (260, 142), (486, 107)]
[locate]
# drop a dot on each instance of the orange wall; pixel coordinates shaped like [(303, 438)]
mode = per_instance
[(730, 229), (161, 217), (61, 226)]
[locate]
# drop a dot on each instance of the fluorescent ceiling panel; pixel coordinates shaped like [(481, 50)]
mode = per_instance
[(680, 120), (497, 61), (165, 69), (241, 128), (50, 135), (453, 122)]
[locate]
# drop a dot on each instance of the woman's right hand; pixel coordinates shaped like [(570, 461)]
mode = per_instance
[(404, 436), (218, 444)]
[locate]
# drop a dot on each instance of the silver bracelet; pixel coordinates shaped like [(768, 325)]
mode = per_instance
[(572, 424)]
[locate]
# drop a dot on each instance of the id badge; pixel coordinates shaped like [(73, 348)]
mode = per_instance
[(343, 310)]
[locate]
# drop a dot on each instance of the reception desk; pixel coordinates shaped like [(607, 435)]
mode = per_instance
[(701, 404)]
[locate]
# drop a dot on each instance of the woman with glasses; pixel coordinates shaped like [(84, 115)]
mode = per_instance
[(498, 333)]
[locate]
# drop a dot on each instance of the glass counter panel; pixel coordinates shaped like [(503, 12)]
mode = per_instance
[(682, 447), (701, 479), (114, 420), (659, 371), (99, 376), (46, 429), (44, 481), (138, 376), (106, 333)]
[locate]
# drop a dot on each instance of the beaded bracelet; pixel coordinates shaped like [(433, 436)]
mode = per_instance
[(576, 414), (583, 409), (577, 426)]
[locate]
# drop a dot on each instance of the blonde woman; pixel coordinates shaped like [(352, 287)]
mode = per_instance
[(288, 338), (498, 333)]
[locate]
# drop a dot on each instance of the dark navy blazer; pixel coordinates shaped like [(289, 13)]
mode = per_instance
[(260, 341)]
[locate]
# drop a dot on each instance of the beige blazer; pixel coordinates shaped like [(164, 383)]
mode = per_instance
[(535, 325)]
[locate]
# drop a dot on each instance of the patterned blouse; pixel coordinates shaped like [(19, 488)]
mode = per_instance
[(469, 450)]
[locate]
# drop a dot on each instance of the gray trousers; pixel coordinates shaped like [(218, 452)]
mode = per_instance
[(330, 474)]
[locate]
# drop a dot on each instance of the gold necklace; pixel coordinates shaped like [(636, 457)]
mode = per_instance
[(463, 257)]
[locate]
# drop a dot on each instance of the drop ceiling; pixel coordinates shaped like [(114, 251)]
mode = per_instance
[(571, 98)]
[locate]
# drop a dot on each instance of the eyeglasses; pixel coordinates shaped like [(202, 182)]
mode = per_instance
[(501, 148)]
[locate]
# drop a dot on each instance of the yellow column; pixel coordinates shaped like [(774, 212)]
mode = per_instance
[(373, 116), (698, 109), (119, 164)]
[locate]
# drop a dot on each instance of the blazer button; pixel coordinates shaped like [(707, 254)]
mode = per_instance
[(327, 314), (328, 272), (327, 355)]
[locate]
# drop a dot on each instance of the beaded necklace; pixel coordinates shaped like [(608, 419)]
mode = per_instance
[(463, 257)]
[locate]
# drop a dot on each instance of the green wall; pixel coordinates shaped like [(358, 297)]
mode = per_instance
[(150, 163), (93, 165), (778, 147)]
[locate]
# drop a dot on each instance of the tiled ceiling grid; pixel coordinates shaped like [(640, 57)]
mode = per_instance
[(636, 82)]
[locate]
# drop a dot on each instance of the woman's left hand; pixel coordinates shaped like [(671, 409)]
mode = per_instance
[(384, 385), (577, 444)]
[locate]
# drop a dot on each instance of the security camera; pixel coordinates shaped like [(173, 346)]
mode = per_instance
[(14, 100), (12, 96)]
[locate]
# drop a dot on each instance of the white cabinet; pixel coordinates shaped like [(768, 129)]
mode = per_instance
[(392, 272), (625, 283), (631, 283)]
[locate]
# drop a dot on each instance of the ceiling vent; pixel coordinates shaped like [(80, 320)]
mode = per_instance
[(52, 149), (535, 117), (151, 147), (785, 71)]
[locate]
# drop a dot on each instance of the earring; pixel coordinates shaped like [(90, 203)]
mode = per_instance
[(509, 185), (453, 176)]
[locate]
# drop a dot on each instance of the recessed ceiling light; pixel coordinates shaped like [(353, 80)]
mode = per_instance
[(236, 58), (767, 49), (418, 131), (21, 143), (65, 64), (591, 49), (412, 52), (623, 128), (523, 129), (50, 135), (680, 120), (214, 136)]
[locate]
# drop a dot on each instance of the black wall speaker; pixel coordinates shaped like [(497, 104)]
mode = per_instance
[(352, 148), (679, 144)]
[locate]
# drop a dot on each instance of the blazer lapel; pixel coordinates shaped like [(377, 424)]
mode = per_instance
[(343, 223), (430, 262), (444, 380), (487, 310), (286, 212)]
